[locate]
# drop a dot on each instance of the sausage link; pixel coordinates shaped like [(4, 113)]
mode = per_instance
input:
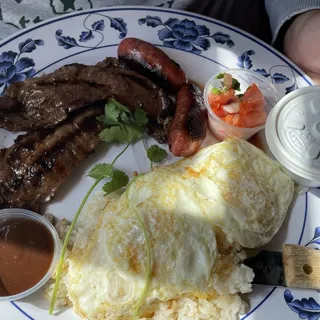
[(189, 125), (150, 61)]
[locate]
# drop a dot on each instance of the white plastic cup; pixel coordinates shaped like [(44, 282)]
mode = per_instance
[(7, 214), (221, 129)]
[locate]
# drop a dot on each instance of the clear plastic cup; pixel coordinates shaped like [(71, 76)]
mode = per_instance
[(221, 129), (29, 215)]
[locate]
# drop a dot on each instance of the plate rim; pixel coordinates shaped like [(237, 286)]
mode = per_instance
[(246, 34), (184, 13)]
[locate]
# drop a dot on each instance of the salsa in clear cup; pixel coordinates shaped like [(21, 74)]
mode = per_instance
[(238, 103)]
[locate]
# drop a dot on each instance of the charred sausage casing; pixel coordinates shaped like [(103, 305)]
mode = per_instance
[(189, 125), (150, 61)]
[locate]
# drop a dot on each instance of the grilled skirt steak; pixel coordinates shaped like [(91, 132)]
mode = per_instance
[(35, 166), (46, 101)]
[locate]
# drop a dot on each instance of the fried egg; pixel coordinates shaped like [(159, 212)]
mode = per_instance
[(232, 186)]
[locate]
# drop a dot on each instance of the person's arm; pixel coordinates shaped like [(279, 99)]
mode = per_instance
[(295, 29), (301, 43)]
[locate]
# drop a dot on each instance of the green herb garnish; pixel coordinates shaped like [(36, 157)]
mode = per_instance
[(156, 154), (216, 91), (121, 126), (220, 76), (98, 172), (235, 84), (119, 180), (148, 250)]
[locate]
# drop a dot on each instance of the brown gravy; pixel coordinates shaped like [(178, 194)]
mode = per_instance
[(26, 252)]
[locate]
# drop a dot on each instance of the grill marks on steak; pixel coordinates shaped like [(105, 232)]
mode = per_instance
[(34, 167), (59, 111), (46, 101)]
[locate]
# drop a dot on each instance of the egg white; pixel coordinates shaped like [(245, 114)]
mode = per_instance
[(232, 185)]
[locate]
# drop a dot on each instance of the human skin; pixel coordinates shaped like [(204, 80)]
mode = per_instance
[(302, 45)]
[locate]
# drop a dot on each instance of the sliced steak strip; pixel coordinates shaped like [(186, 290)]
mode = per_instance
[(34, 167), (46, 101)]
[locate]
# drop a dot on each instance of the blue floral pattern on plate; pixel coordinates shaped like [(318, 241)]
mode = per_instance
[(185, 34), (245, 62), (316, 237), (305, 308), (91, 32), (78, 28), (14, 68)]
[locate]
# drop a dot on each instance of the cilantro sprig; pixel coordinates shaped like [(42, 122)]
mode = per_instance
[(148, 251), (98, 172), (123, 127), (156, 154)]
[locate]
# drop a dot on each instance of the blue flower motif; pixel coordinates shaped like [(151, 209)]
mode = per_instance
[(223, 38), (316, 237), (93, 31), (244, 60), (119, 25), (151, 21), (98, 25), (13, 69), (279, 78), (291, 88), (29, 45), (65, 41), (186, 34), (305, 308), (85, 36), (263, 72)]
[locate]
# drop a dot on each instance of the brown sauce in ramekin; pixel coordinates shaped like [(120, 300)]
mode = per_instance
[(26, 253)]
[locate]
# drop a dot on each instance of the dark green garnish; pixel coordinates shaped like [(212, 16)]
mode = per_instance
[(235, 84), (220, 76)]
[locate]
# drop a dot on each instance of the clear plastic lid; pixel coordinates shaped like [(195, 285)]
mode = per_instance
[(293, 132)]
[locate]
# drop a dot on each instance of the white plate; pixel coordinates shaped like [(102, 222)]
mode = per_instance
[(203, 47)]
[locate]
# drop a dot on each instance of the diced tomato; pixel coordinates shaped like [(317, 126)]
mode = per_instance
[(217, 109), (254, 96), (228, 119), (245, 107), (254, 119), (221, 113), (233, 120), (222, 98)]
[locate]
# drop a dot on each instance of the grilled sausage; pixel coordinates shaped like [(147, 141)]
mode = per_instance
[(189, 125), (150, 61)]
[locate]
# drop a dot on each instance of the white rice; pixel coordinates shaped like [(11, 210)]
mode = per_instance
[(221, 308), (225, 305)]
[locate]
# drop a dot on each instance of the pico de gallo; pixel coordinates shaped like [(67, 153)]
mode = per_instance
[(241, 110)]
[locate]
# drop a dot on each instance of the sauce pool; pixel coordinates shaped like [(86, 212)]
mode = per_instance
[(26, 253)]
